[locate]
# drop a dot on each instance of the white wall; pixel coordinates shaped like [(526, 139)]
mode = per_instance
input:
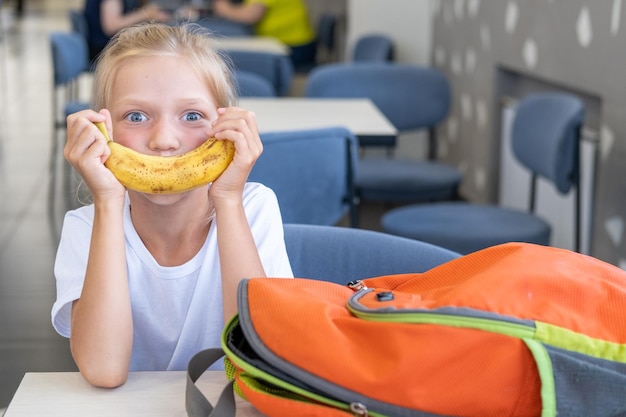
[(406, 21), (409, 25)]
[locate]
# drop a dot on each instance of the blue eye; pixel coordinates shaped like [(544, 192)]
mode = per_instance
[(136, 117), (192, 116)]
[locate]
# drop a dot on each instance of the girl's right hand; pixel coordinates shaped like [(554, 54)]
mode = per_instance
[(86, 150)]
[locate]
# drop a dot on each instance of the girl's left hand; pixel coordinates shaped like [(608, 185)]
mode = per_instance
[(239, 126)]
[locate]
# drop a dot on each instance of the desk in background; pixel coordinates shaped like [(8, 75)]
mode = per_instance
[(223, 27), (360, 116), (154, 394), (253, 44)]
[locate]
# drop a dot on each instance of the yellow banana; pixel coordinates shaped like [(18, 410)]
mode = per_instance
[(168, 174)]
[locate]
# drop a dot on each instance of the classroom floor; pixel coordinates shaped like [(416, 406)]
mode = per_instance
[(28, 227)]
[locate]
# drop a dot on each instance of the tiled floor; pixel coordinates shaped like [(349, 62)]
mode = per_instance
[(27, 240)]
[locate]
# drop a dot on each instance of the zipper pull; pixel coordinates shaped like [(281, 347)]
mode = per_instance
[(358, 410), (356, 285)]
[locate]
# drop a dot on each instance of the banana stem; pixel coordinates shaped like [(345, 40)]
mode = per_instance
[(102, 128)]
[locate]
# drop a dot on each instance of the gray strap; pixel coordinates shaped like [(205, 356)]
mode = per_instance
[(196, 403)]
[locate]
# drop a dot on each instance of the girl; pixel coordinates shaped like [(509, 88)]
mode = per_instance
[(144, 281)]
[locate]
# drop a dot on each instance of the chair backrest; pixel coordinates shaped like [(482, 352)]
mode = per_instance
[(70, 59), (78, 23), (546, 136), (250, 84), (373, 48), (70, 56), (277, 69), (341, 254), (311, 172), (411, 97)]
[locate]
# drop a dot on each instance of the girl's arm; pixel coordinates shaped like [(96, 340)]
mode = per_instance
[(102, 331), (239, 256), (250, 13)]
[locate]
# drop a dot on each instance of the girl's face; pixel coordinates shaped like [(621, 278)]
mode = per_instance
[(160, 106)]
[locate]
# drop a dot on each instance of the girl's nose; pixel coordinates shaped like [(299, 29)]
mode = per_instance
[(164, 138)]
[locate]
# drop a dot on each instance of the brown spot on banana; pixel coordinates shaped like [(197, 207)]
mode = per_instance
[(168, 174)]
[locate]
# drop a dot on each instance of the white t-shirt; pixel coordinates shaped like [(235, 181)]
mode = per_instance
[(177, 311)]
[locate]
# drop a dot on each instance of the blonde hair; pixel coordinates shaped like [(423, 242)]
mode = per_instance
[(191, 42)]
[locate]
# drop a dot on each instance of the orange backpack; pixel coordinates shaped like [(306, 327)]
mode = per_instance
[(512, 330)]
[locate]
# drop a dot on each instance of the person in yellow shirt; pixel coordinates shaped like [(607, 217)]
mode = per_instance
[(285, 20)]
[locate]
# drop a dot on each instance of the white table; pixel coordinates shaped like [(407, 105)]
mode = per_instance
[(153, 394), (360, 116), (254, 44)]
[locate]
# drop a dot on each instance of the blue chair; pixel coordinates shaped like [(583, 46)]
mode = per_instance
[(78, 23), (342, 254), (412, 98), (250, 84), (276, 68), (373, 47), (70, 60), (311, 172), (545, 139)]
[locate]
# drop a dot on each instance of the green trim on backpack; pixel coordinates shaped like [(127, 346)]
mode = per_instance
[(580, 343), (546, 375), (493, 325)]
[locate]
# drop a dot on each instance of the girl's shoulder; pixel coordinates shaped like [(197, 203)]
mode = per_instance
[(84, 213)]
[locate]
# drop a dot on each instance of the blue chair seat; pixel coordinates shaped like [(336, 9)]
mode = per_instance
[(464, 227), (384, 179)]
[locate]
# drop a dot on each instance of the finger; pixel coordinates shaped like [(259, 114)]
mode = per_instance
[(83, 134), (234, 113), (236, 120)]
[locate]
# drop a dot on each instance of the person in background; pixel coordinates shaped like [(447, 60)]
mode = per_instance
[(107, 17), (145, 281), (285, 20)]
